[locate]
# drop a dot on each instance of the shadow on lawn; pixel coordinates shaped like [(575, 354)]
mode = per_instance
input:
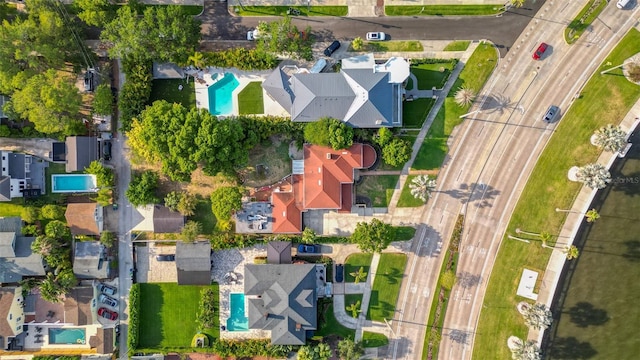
[(151, 326)]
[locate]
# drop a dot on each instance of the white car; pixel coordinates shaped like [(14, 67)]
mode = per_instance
[(376, 36), (622, 4)]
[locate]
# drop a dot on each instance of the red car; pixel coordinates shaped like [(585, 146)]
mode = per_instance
[(108, 314), (540, 51)]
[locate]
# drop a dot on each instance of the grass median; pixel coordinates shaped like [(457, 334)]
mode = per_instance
[(443, 10), (605, 99)]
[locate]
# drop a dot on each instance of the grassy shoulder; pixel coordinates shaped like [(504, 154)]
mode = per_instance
[(371, 339), (387, 46), (384, 293), (460, 45), (583, 20), (605, 99), (282, 10), (444, 10)]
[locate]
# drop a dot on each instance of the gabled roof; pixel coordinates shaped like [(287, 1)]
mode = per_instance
[(16, 165), (7, 241), (81, 151), (320, 95), (7, 295), (89, 261), (77, 306), (81, 218), (287, 216), (279, 252), (157, 218), (5, 188), (193, 262), (286, 302), (278, 87), (24, 263), (11, 224)]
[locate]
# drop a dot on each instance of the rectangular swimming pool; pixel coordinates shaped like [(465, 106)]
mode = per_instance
[(69, 336), (70, 183), (237, 320)]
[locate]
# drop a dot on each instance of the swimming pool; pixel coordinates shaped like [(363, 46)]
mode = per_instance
[(237, 320), (69, 336), (221, 95), (69, 183)]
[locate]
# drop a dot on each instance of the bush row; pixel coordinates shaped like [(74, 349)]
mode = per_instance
[(240, 58), (250, 348), (134, 316), (135, 93)]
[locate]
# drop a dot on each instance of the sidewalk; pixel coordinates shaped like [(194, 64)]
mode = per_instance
[(551, 277)]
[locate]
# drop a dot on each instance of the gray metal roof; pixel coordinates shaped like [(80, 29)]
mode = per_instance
[(278, 87), (16, 165), (11, 224), (166, 221), (89, 261), (279, 252), (320, 95), (193, 262), (287, 304), (5, 188), (24, 263), (81, 151), (7, 240)]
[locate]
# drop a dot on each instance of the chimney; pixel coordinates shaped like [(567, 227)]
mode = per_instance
[(328, 156)]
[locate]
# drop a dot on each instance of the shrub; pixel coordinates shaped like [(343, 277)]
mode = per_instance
[(134, 316), (208, 309), (52, 212), (30, 214)]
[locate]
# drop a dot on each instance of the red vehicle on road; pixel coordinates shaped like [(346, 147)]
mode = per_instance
[(540, 51)]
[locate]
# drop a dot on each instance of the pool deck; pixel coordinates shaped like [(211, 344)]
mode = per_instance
[(244, 78)]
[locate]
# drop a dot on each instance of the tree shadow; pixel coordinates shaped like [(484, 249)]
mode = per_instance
[(584, 314), (478, 193), (571, 348), (392, 276), (498, 103), (633, 250)]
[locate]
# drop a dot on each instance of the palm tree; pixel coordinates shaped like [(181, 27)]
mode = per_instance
[(197, 60), (544, 236), (421, 187), (359, 275), (594, 176), (591, 215), (610, 138), (521, 350), (354, 308), (537, 316), (572, 252), (464, 96), (517, 3)]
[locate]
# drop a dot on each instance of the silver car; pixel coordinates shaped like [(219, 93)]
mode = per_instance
[(104, 299), (551, 114)]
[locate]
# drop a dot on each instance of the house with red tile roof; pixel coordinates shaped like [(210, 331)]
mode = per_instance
[(325, 184)]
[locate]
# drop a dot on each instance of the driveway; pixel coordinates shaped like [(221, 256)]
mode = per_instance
[(37, 147), (150, 270)]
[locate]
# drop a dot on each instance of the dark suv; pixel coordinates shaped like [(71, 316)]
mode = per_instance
[(106, 150), (332, 48), (339, 273)]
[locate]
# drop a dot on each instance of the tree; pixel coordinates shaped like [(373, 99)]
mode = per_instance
[(50, 101), (226, 200), (521, 350), (592, 215), (317, 132), (56, 229), (340, 135), (308, 236), (103, 100), (397, 152), (421, 187), (305, 353), (45, 245), (383, 137), (350, 350), (187, 204), (594, 176), (53, 287), (374, 236), (448, 279), (464, 96), (104, 176), (220, 145), (537, 316), (172, 199), (354, 309), (142, 189), (610, 138), (103, 197), (190, 231), (52, 212), (107, 238), (323, 351), (94, 12), (357, 44), (571, 252), (30, 214), (359, 275), (282, 37), (196, 60)]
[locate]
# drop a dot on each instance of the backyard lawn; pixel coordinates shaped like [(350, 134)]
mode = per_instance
[(384, 293), (250, 99), (268, 163), (168, 89), (168, 315), (406, 199), (204, 216), (432, 75), (328, 325), (415, 112), (378, 188), (605, 99), (355, 262)]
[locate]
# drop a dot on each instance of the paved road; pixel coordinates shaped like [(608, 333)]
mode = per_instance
[(501, 30)]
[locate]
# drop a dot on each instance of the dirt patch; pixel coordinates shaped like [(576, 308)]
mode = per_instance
[(268, 163)]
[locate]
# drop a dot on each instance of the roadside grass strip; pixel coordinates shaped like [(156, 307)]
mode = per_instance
[(250, 99), (415, 112), (282, 10), (443, 10), (605, 99), (460, 45), (443, 290), (372, 339), (583, 20), (384, 293), (388, 46)]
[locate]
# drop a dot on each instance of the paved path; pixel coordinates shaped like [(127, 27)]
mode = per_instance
[(36, 147)]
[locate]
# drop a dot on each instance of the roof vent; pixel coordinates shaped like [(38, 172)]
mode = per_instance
[(329, 156), (378, 122)]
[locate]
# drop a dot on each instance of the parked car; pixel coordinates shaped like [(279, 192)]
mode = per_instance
[(551, 114), (166, 257), (376, 36), (107, 314), (622, 4), (339, 273), (309, 249), (107, 289), (132, 275), (104, 299), (106, 150), (332, 48), (540, 51), (253, 34)]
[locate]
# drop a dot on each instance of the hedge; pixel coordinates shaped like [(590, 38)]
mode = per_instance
[(134, 316)]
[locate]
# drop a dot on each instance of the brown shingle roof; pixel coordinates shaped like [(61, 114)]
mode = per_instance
[(81, 218), (6, 298), (77, 306)]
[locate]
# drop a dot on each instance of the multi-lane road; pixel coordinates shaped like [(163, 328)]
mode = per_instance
[(491, 156)]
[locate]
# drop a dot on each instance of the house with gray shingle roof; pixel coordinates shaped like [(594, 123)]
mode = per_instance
[(80, 152), (15, 174), (283, 299), (193, 262), (17, 260), (90, 260), (363, 94)]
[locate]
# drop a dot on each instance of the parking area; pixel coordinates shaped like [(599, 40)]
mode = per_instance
[(150, 270)]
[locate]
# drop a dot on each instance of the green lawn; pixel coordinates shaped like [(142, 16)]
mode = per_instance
[(204, 215), (15, 206), (406, 199), (327, 323), (250, 99), (405, 233), (387, 46), (461, 45), (409, 135), (443, 10), (352, 299), (168, 315), (371, 339), (12, 208), (606, 99), (378, 188), (432, 75), (583, 20), (415, 112), (355, 262), (282, 10), (386, 286), (168, 89)]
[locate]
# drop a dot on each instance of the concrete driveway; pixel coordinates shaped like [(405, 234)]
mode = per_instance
[(150, 270)]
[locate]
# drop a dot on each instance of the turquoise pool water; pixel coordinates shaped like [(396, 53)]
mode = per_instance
[(237, 320), (67, 336), (221, 95), (68, 183)]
